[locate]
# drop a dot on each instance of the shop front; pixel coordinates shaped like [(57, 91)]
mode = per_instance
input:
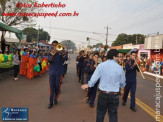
[(143, 53)]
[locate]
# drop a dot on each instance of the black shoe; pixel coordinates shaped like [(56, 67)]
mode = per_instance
[(49, 106), (123, 103), (133, 109), (55, 102), (92, 106)]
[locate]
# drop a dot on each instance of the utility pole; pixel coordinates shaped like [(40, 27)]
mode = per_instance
[(38, 35), (107, 34)]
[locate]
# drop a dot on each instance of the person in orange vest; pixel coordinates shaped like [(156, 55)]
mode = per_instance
[(24, 62), (32, 63)]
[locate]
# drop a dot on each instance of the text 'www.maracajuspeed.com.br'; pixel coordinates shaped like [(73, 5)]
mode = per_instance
[(41, 14)]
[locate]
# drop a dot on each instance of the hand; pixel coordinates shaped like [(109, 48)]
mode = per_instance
[(95, 65), (18, 62), (135, 63), (53, 52), (85, 86)]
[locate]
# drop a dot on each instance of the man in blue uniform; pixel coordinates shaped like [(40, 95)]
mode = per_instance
[(81, 67), (131, 69), (65, 61), (55, 58), (90, 67)]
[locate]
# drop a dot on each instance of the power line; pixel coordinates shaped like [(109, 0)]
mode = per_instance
[(72, 30)]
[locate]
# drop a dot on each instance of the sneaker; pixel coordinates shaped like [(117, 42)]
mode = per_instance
[(16, 78)]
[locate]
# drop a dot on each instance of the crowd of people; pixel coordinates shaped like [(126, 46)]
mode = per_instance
[(145, 64), (32, 62), (108, 73)]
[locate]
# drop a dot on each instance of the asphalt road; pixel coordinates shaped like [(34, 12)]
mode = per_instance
[(34, 94), (146, 90)]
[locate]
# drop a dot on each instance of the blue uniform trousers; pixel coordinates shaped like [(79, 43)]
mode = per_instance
[(130, 87), (91, 91), (81, 74), (92, 94), (54, 81)]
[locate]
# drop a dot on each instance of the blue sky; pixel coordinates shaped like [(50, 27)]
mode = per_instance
[(122, 16)]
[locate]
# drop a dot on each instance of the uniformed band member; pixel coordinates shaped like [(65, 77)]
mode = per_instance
[(90, 67), (77, 64), (55, 59), (81, 66), (65, 61), (110, 81), (64, 67), (131, 69)]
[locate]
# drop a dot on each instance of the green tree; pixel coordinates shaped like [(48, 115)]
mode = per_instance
[(97, 45), (127, 39), (69, 44), (43, 35), (9, 6), (32, 34)]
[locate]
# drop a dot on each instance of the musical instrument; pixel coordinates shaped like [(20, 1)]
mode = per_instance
[(139, 69), (59, 47)]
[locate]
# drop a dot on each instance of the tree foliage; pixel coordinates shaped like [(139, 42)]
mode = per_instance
[(69, 44), (9, 6), (127, 39), (32, 34), (97, 45)]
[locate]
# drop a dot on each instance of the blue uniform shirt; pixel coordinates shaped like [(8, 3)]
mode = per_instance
[(131, 71), (81, 61), (111, 76), (56, 64), (90, 66)]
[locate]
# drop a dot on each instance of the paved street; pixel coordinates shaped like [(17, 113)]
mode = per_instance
[(34, 94)]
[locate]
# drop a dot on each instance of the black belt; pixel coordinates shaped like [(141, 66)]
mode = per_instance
[(109, 92)]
